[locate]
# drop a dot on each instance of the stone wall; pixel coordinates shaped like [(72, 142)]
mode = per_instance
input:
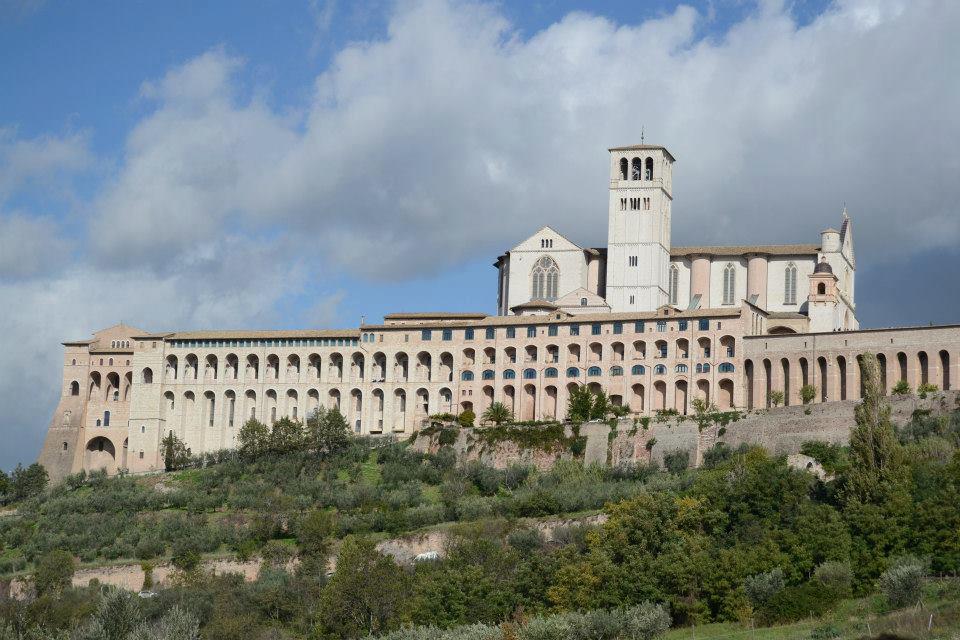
[(782, 431)]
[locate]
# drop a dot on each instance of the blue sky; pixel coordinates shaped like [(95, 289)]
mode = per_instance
[(186, 165)]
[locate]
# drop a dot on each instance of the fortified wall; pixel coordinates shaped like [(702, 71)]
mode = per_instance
[(780, 431)]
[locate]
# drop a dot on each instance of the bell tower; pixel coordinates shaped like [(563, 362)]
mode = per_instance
[(638, 228)]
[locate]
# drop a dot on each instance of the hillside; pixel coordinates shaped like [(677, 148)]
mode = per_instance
[(744, 542)]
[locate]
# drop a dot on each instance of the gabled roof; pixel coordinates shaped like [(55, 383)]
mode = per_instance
[(560, 236), (739, 250)]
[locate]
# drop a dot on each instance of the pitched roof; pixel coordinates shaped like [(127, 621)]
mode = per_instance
[(240, 333), (430, 315), (739, 250)]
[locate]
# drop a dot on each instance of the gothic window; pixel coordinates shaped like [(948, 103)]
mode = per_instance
[(637, 172), (546, 279), (649, 175), (674, 284), (821, 289), (646, 204), (790, 284), (632, 261), (729, 283), (623, 168)]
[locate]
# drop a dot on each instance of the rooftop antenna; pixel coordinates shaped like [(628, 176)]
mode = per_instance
[(641, 134), (363, 320)]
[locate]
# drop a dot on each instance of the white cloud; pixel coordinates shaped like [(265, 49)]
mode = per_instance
[(30, 246), (453, 136), (42, 161)]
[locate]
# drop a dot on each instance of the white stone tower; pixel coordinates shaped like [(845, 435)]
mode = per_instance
[(638, 232)]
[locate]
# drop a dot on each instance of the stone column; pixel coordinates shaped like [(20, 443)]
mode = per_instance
[(757, 279)]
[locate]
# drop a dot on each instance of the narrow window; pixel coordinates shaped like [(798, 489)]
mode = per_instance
[(790, 284), (729, 283), (674, 284)]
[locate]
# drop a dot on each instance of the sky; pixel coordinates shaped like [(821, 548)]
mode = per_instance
[(181, 165)]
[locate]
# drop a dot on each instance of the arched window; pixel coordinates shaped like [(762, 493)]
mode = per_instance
[(725, 367), (488, 374), (594, 371), (106, 418), (466, 376), (699, 368), (616, 371), (674, 284), (551, 372), (649, 175), (681, 368), (74, 388), (147, 376), (637, 172), (706, 367), (638, 370), (821, 289), (529, 374), (546, 279), (790, 284), (509, 374), (729, 283), (659, 370), (573, 372), (624, 168)]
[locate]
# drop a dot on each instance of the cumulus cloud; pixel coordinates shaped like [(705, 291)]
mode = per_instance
[(453, 136), (41, 161)]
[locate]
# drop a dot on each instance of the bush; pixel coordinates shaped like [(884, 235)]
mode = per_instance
[(835, 576), (901, 584), (54, 572), (676, 461), (796, 603), (761, 588), (902, 388), (466, 418)]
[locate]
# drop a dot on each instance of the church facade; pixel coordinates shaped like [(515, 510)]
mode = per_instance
[(653, 325)]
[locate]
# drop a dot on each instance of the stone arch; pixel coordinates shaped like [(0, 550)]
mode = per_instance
[(749, 375), (550, 406), (446, 367), (401, 367), (314, 367), (636, 167), (293, 368), (659, 395), (378, 407), (882, 365), (902, 368), (637, 398), (529, 404), (191, 367), (270, 406), (785, 377), (510, 398), (210, 367), (230, 407), (725, 397), (573, 353), (422, 408), (923, 365), (231, 370), (624, 168), (767, 382), (273, 367), (335, 368), (680, 396), (100, 453), (209, 409), (356, 410), (424, 367), (487, 395), (250, 405), (824, 380), (446, 400), (146, 375), (596, 352), (313, 401), (399, 410), (842, 377), (639, 350), (333, 399), (703, 390), (252, 368), (945, 382), (358, 365), (113, 386), (379, 367), (293, 404), (74, 388)]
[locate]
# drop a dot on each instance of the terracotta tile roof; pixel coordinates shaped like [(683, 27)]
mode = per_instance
[(739, 250), (430, 315), (505, 321), (289, 333)]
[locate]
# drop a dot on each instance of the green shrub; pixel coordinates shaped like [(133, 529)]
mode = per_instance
[(902, 388), (761, 588), (797, 602), (676, 461), (901, 584), (466, 418), (835, 576)]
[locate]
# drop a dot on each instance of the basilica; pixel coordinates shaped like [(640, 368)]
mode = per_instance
[(652, 324)]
